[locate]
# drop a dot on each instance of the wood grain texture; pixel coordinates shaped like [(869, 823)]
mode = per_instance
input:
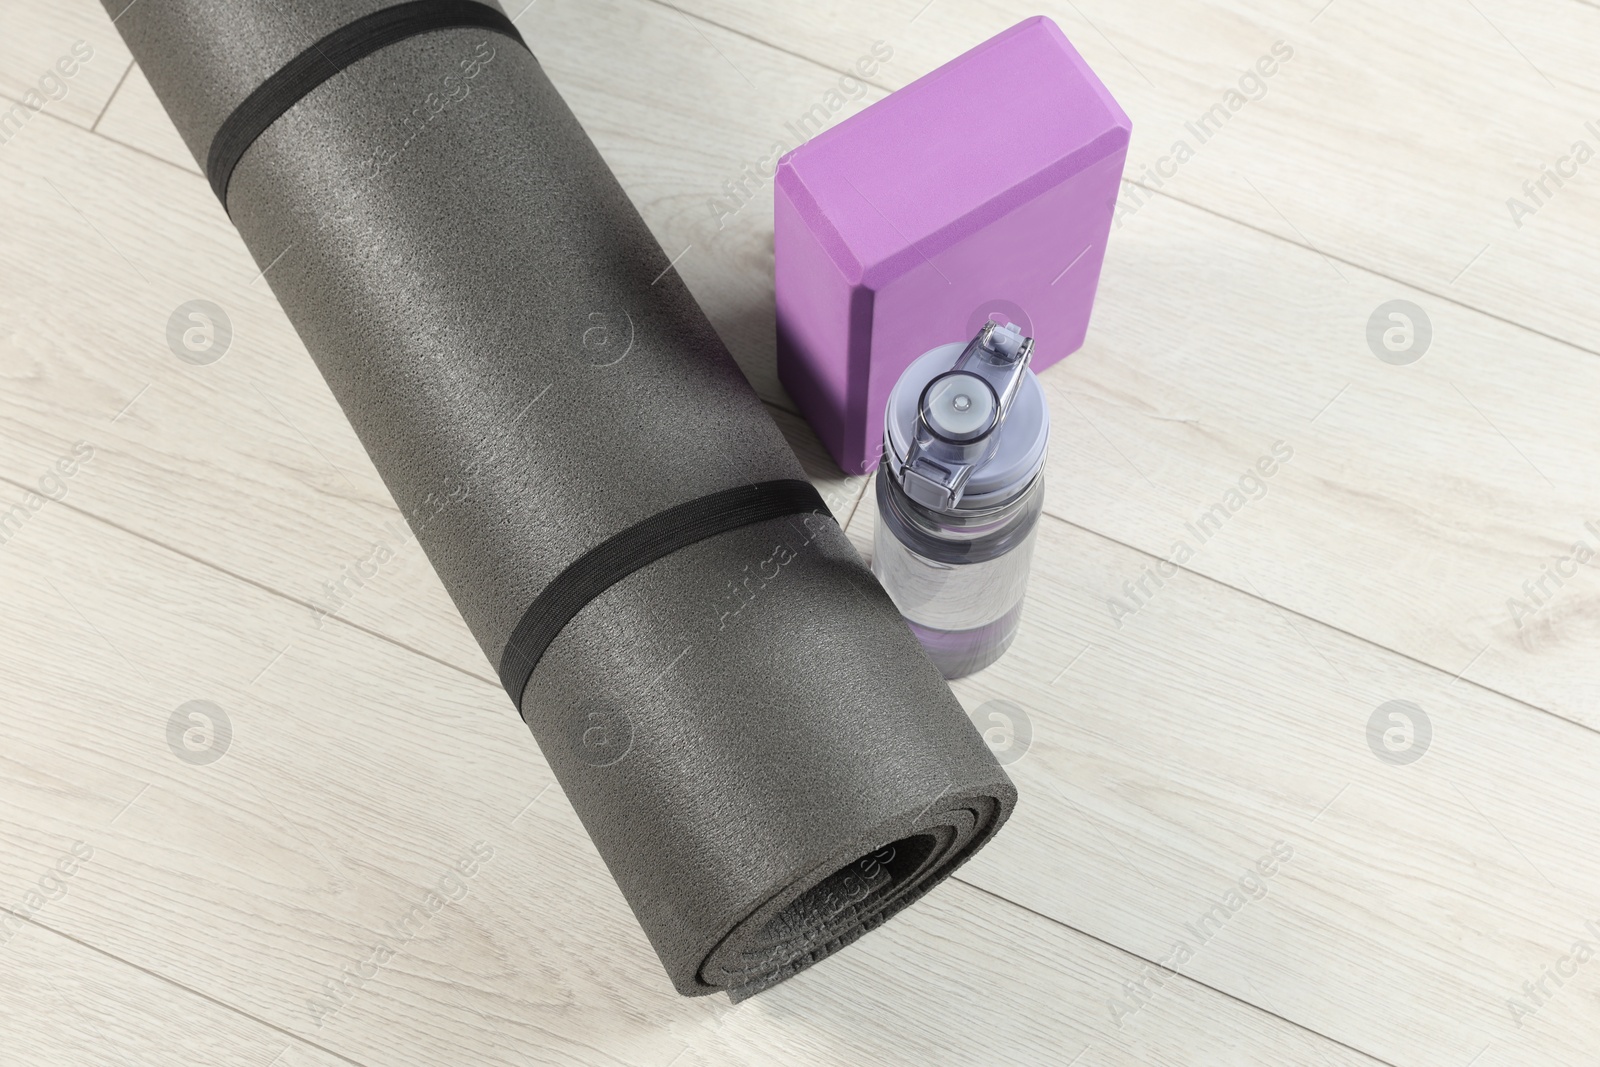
[(1423, 496), (135, 118), (685, 113), (1423, 499), (355, 775), (36, 37), (1392, 139), (1166, 760), (1419, 498), (1227, 713), (66, 1003), (136, 238)]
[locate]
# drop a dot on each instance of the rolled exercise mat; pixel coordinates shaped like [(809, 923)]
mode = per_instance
[(765, 759)]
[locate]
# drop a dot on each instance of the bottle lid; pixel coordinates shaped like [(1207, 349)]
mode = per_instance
[(967, 426)]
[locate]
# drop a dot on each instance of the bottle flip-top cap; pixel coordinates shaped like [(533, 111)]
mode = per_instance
[(966, 425)]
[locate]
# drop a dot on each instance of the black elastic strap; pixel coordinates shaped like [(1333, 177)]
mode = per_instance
[(640, 545), (328, 57)]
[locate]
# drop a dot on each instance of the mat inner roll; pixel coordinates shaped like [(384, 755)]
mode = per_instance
[(814, 919)]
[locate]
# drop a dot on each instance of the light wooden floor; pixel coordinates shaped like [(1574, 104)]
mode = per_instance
[(1171, 750)]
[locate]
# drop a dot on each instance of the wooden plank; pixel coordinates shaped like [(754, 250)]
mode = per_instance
[(1414, 513), (1424, 504), (71, 1004), (690, 160), (1164, 762), (1209, 728), (104, 246), (355, 775), (134, 239), (1393, 138), (689, 116), (61, 59), (1420, 503), (136, 118)]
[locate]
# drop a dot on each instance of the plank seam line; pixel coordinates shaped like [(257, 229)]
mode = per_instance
[(1363, 268), (66, 505), (1193, 981), (772, 403), (115, 90), (289, 1035), (861, 495), (297, 1039), (53, 117), (397, 643), (1368, 642), (1214, 213), (381, 637), (819, 64), (1373, 272), (1209, 211), (218, 568)]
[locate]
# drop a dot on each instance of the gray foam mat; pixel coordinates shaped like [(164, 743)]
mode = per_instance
[(764, 757)]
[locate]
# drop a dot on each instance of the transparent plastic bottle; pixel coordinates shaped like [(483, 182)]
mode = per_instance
[(959, 495)]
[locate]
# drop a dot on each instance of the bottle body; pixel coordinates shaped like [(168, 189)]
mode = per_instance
[(958, 578)]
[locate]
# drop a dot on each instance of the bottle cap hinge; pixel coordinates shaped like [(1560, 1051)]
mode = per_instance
[(960, 413)]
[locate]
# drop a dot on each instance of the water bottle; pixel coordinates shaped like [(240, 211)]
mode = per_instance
[(960, 491)]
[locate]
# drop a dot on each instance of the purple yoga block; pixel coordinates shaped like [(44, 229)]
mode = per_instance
[(985, 188)]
